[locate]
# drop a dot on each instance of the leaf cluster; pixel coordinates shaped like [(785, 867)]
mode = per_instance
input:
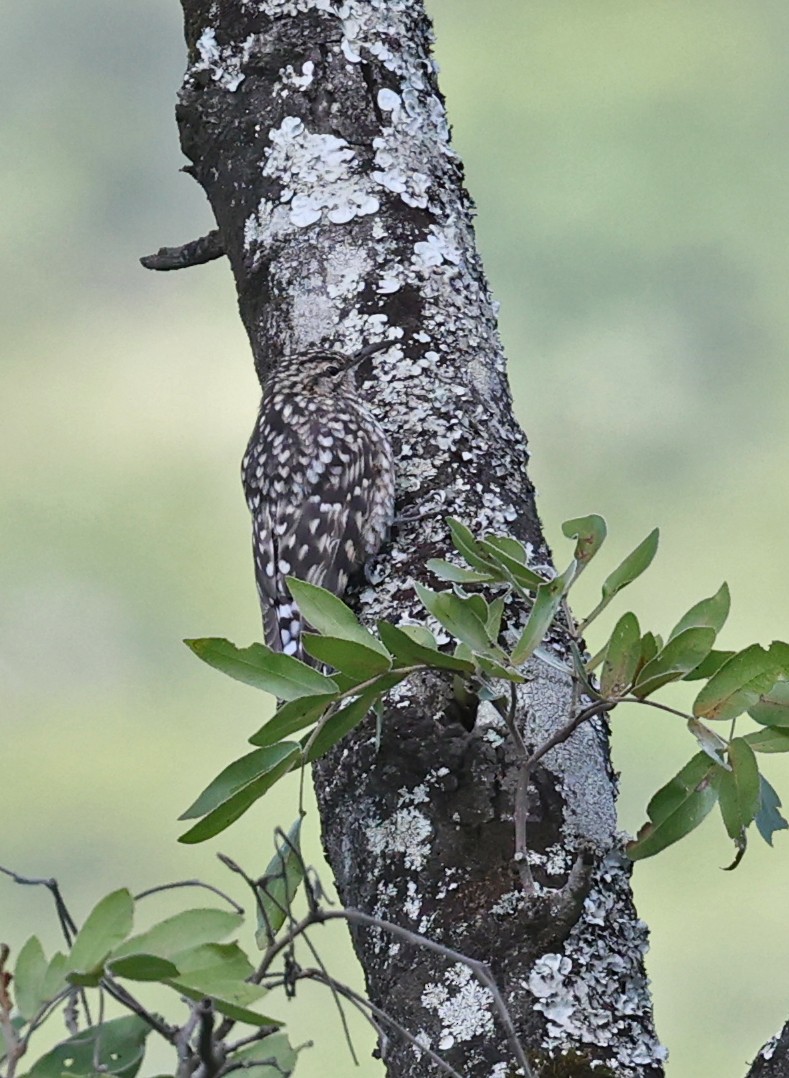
[(188, 953), (470, 642)]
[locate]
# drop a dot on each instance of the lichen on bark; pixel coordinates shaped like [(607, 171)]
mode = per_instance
[(319, 134)]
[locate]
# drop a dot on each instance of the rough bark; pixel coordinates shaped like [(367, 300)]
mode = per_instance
[(318, 132), (773, 1059)]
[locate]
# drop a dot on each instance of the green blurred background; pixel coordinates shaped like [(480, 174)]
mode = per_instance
[(629, 163)]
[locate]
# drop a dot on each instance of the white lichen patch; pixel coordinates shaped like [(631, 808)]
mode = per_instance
[(595, 993), (298, 81), (223, 62), (463, 1006), (438, 247), (768, 1051), (318, 173), (509, 903), (405, 834), (578, 763)]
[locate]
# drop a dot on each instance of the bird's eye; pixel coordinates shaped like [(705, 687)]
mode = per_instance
[(333, 370)]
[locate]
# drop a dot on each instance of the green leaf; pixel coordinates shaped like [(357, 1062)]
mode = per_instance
[(330, 616), (142, 967), (738, 789), (291, 717), (679, 656), (507, 545), (456, 574), (278, 886), (629, 570), (768, 819), (637, 562), (190, 928), (340, 724), (773, 706), (475, 602), (221, 961), (709, 613), (496, 670), (738, 684), (238, 776), (31, 968), (466, 545), (457, 616), (354, 659), (281, 675), (220, 972), (650, 646), (495, 614), (117, 1047), (678, 807), (622, 656), (546, 604), (710, 666), (768, 740), (55, 978), (108, 924), (510, 556), (589, 533), (272, 1057), (231, 998), (408, 650), (237, 788), (709, 742)]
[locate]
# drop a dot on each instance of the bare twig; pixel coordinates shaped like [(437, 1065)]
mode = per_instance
[(335, 995), (182, 1044), (97, 1039), (67, 922), (190, 883), (119, 993), (659, 706), (68, 925), (70, 1014), (480, 969), (368, 1009), (195, 253), (569, 728), (521, 792)]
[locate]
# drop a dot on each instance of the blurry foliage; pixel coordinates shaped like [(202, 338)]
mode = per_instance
[(629, 167)]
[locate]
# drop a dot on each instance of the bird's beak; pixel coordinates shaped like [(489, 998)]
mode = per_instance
[(370, 350)]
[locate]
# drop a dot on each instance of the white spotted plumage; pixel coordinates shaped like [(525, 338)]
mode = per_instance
[(319, 481)]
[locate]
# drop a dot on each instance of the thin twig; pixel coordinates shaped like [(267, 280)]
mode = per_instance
[(659, 706), (260, 1034), (190, 883), (569, 728), (364, 1006), (357, 690), (481, 970), (67, 922), (335, 995), (68, 925), (119, 993), (182, 1038), (521, 793), (97, 1039)]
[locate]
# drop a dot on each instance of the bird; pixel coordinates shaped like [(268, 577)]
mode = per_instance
[(319, 480)]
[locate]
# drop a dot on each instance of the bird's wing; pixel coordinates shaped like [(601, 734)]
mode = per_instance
[(309, 503)]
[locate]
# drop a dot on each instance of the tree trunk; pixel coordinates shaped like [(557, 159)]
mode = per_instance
[(318, 132)]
